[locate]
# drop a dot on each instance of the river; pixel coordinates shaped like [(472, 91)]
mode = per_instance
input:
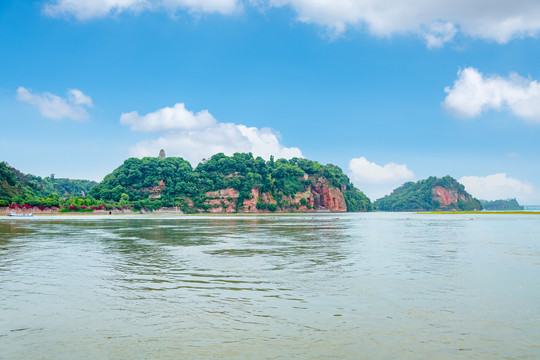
[(311, 286)]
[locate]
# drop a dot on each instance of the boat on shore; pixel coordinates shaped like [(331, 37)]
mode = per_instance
[(20, 214)]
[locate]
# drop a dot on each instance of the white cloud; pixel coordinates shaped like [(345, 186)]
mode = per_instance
[(473, 93), (367, 172), (77, 97), (55, 107), (436, 21), (88, 9), (499, 186), (438, 33), (168, 118), (197, 136)]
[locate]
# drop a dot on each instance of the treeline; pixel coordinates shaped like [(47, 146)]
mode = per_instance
[(19, 188), (508, 204)]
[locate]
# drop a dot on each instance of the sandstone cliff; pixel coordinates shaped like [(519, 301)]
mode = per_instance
[(318, 197)]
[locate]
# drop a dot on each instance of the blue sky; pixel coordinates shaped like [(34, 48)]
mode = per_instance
[(391, 91)]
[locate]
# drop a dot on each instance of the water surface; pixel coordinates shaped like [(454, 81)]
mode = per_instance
[(369, 286)]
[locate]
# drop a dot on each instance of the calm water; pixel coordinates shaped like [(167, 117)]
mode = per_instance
[(351, 286)]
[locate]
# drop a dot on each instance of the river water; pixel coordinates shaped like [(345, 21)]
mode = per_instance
[(316, 286)]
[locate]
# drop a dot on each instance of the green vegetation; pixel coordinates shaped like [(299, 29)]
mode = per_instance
[(420, 196), (508, 204), (18, 189), (152, 183), (484, 212), (9, 185)]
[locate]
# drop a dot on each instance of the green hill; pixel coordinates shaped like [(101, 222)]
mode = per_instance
[(431, 194), (238, 183), (508, 204), (16, 187), (10, 187)]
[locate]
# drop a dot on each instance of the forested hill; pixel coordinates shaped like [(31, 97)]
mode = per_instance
[(238, 183), (508, 204), (429, 195), (9, 185), (16, 187)]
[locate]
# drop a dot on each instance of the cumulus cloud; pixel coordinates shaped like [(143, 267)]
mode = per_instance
[(55, 107), (436, 21), (168, 118), (363, 171), (498, 186), (438, 33), (87, 9), (474, 93), (195, 136)]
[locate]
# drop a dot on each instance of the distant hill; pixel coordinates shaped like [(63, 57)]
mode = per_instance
[(508, 204), (431, 194), (19, 187), (238, 183), (10, 187)]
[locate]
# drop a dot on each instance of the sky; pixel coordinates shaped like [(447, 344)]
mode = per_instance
[(389, 90)]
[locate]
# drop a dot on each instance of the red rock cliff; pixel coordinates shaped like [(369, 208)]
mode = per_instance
[(318, 197), (446, 197)]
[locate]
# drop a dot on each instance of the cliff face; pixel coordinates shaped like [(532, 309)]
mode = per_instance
[(446, 197), (319, 197)]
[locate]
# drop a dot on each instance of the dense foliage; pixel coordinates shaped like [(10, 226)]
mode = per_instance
[(508, 204), (19, 188), (9, 185), (138, 181), (418, 196)]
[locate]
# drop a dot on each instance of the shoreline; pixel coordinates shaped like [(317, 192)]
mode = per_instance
[(6, 211), (501, 212)]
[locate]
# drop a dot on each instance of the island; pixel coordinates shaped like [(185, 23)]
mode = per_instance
[(431, 194), (502, 205)]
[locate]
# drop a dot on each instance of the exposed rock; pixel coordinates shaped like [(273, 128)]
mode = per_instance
[(162, 154), (446, 197), (319, 197), (155, 191)]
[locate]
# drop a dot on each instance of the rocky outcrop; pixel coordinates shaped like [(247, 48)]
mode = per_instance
[(222, 201), (155, 191), (318, 197), (446, 197), (326, 197)]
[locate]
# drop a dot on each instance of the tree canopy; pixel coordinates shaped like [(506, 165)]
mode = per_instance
[(178, 184), (419, 196), (508, 204)]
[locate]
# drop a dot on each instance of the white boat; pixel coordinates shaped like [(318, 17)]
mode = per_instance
[(19, 214)]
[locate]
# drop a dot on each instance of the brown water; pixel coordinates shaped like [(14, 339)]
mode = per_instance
[(349, 286)]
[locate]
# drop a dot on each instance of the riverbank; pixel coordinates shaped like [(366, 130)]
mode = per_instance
[(520, 212), (57, 211)]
